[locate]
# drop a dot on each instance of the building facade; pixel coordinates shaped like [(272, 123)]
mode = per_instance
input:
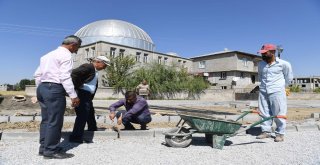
[(224, 70), (307, 84), (228, 69)]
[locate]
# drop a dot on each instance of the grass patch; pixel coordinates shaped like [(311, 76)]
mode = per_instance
[(6, 93)]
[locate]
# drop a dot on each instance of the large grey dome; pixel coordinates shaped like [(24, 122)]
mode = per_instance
[(115, 31)]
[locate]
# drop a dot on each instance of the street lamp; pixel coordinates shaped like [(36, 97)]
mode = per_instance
[(279, 49)]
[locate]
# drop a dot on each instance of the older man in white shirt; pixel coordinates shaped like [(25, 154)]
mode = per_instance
[(53, 81), (275, 76)]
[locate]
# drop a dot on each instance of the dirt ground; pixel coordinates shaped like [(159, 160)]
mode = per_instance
[(26, 108)]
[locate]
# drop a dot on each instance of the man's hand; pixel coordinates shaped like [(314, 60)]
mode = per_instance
[(112, 115), (75, 102), (34, 100), (119, 121), (287, 91)]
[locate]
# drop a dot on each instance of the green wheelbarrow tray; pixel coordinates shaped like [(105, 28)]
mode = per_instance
[(216, 130)]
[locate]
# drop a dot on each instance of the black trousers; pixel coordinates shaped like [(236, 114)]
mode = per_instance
[(85, 114), (52, 101)]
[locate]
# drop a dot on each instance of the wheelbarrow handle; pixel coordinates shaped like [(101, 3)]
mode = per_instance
[(246, 113), (259, 122)]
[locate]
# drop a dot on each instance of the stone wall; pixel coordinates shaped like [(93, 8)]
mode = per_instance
[(209, 94)]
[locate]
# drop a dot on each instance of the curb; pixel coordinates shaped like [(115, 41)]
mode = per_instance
[(135, 133)]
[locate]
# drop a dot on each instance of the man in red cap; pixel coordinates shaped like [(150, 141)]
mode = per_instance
[(275, 75)]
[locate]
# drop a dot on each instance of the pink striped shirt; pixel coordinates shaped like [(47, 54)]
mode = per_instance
[(56, 67)]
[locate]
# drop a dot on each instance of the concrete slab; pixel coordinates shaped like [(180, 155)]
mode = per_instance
[(3, 118), (20, 118), (307, 128)]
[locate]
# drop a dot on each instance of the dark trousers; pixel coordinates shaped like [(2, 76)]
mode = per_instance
[(85, 114), (141, 119), (52, 101)]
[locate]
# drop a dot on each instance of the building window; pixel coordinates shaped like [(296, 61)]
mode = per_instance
[(179, 62), (121, 53), (245, 61), (93, 52), (242, 75), (87, 53), (316, 85), (223, 75), (159, 59), (165, 61), (223, 87), (112, 52), (303, 85), (202, 64), (184, 63), (138, 56), (145, 58)]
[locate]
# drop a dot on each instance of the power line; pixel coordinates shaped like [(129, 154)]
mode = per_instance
[(33, 30)]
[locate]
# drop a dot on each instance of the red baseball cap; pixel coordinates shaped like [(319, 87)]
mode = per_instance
[(267, 47)]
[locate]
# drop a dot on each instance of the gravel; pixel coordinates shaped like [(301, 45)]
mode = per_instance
[(298, 148)]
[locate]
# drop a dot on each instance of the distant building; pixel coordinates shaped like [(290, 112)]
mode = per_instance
[(307, 83), (3, 87), (228, 69), (6, 87), (224, 70)]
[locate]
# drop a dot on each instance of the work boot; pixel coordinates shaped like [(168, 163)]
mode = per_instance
[(263, 135), (279, 138)]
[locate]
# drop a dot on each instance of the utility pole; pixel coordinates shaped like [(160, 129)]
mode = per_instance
[(280, 50)]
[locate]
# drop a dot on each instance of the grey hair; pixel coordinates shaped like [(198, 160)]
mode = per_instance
[(72, 39)]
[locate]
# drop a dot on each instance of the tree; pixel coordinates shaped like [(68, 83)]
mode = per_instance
[(23, 83), (165, 81), (119, 73)]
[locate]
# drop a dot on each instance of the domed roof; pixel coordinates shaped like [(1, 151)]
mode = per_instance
[(115, 31)]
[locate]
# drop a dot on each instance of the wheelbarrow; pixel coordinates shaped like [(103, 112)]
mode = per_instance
[(216, 130)]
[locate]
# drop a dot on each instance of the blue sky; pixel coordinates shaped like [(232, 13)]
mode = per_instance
[(31, 28)]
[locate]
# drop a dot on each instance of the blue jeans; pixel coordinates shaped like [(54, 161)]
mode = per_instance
[(271, 105), (141, 119)]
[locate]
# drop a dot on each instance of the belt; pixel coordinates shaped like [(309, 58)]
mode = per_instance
[(51, 83)]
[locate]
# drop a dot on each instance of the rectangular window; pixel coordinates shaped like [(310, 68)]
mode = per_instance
[(112, 52), (316, 85), (121, 53), (93, 52), (202, 64), (223, 87), (245, 61), (223, 75), (303, 85), (159, 59), (242, 75), (138, 56), (145, 58), (87, 53), (165, 61)]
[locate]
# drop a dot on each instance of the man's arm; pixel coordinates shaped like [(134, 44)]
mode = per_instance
[(113, 107), (288, 75), (37, 76), (137, 107)]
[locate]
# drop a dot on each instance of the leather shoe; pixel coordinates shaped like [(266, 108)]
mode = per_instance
[(75, 141), (58, 150), (58, 156)]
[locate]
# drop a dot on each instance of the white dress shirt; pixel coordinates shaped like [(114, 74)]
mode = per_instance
[(56, 67)]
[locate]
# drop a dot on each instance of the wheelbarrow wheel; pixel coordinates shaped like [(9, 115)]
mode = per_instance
[(178, 141)]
